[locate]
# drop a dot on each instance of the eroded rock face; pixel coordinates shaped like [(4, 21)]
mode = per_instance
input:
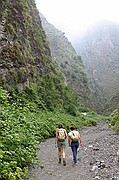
[(24, 50)]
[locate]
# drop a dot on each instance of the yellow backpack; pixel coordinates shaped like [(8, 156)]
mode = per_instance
[(61, 134), (75, 136)]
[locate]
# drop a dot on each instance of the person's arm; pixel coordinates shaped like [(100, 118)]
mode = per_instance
[(69, 140), (56, 138), (65, 134), (80, 140)]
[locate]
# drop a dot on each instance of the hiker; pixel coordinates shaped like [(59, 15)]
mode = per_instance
[(74, 140), (60, 140)]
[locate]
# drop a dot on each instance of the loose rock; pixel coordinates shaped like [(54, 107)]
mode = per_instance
[(97, 157)]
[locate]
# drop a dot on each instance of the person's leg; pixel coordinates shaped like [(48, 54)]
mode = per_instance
[(59, 154), (63, 155), (74, 152), (74, 147)]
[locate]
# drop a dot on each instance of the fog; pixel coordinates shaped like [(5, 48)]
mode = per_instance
[(75, 16)]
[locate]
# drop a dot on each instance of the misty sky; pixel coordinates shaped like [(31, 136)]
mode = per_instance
[(73, 16)]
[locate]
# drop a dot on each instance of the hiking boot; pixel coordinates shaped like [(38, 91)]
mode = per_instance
[(59, 161), (75, 162), (64, 162)]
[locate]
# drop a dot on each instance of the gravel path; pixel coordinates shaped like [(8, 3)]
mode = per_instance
[(97, 157)]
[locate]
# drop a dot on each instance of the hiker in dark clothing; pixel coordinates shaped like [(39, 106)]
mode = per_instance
[(60, 140), (74, 140)]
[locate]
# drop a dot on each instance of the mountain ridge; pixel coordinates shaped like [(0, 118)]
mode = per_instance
[(87, 93), (70, 64), (99, 49)]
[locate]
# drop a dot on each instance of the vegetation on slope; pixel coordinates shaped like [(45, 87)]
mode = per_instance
[(36, 99), (114, 123), (112, 104), (25, 54), (25, 58), (23, 126), (70, 64)]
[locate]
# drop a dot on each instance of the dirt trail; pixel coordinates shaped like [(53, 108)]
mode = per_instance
[(97, 157)]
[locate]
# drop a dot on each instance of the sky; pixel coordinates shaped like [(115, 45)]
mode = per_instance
[(74, 16)]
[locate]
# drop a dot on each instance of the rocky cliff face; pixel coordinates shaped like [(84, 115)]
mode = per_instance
[(26, 66), (24, 50)]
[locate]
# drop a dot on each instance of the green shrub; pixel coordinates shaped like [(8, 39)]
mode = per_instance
[(89, 122), (114, 123), (23, 126)]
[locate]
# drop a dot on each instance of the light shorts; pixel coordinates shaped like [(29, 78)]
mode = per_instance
[(61, 144)]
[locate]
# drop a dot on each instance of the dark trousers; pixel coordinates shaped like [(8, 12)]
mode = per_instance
[(74, 147)]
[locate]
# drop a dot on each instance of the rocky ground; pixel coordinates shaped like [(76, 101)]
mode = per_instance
[(97, 157)]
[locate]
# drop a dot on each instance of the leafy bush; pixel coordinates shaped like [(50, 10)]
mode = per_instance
[(21, 131), (114, 123), (90, 122)]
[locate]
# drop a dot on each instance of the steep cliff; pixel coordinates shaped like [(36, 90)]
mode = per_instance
[(25, 58), (24, 51)]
